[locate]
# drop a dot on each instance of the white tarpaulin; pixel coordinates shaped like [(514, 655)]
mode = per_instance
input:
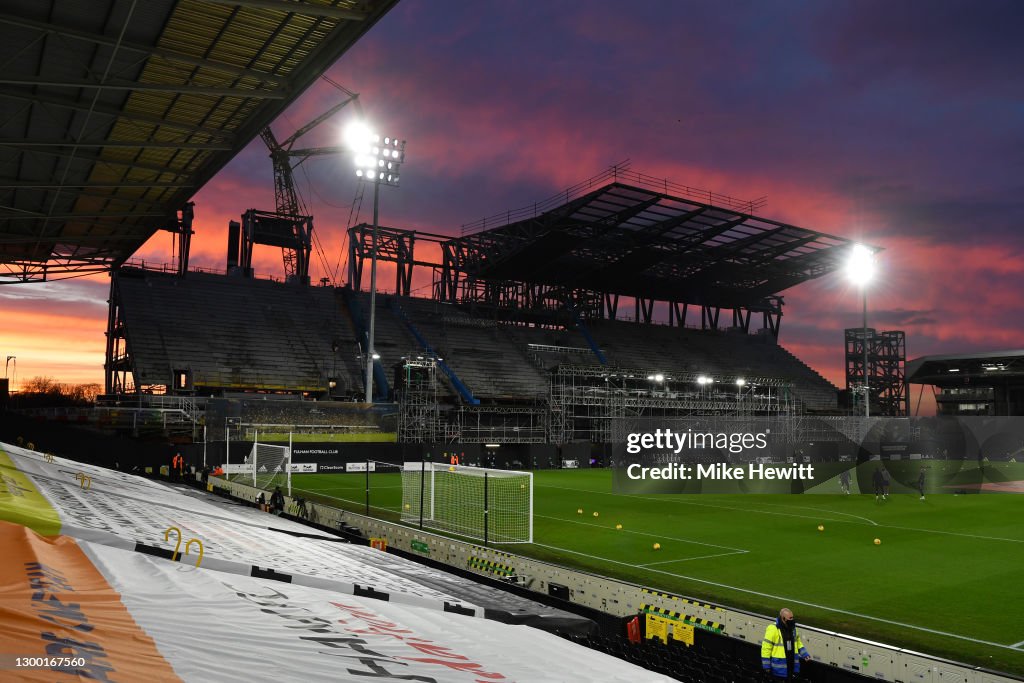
[(120, 510)]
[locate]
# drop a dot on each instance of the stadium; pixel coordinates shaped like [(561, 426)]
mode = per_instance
[(428, 469)]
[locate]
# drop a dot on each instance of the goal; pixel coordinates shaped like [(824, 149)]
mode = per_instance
[(268, 466), (494, 506)]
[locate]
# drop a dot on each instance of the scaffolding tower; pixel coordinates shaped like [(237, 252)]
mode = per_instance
[(886, 375), (419, 411)]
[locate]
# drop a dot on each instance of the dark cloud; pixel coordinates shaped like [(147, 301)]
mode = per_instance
[(902, 318)]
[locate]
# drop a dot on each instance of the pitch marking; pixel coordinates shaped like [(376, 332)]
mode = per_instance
[(790, 514), (794, 600), (687, 559), (734, 551)]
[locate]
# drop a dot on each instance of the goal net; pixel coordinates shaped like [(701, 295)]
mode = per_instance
[(476, 502), (268, 466)]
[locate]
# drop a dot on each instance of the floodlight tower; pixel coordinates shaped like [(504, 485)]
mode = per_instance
[(860, 270), (377, 160)]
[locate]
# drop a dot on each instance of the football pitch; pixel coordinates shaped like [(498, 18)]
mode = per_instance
[(946, 578)]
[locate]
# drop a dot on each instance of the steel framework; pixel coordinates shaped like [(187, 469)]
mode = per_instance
[(588, 402), (886, 371), (419, 412), (617, 236), (112, 118)]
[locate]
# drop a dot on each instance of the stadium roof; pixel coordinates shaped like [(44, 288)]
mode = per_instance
[(647, 241), (991, 367), (114, 113)]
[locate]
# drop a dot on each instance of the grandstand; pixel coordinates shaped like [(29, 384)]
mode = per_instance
[(508, 339), (206, 334)]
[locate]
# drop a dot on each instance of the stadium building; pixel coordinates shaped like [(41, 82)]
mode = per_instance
[(409, 544), (982, 384)]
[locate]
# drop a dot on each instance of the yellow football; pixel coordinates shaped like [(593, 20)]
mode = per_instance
[(657, 546), (878, 541), (821, 527)]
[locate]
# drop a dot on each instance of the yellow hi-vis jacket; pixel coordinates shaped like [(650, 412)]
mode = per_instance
[(773, 651)]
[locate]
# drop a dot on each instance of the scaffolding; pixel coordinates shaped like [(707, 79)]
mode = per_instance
[(419, 411), (886, 371), (500, 424), (590, 403)]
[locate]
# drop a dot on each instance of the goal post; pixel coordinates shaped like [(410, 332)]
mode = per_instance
[(270, 466), (480, 503)]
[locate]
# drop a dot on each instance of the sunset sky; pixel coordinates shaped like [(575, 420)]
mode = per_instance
[(901, 124)]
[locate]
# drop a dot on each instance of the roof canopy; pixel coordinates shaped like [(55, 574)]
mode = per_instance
[(114, 113), (986, 368), (639, 241)]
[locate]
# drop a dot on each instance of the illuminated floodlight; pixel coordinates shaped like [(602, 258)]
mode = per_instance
[(702, 380), (659, 377), (374, 159), (376, 356), (741, 382), (860, 265), (358, 137)]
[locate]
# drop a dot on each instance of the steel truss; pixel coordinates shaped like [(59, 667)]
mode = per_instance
[(503, 424), (589, 402), (419, 411), (886, 371)]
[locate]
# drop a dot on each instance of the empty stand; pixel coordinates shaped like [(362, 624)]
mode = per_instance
[(674, 349), (234, 333)]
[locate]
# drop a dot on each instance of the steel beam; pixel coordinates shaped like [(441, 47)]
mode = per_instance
[(142, 144), (48, 99), (152, 50), (295, 7), (179, 88)]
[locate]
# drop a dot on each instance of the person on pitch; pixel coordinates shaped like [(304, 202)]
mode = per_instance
[(878, 479), (782, 650), (844, 481)]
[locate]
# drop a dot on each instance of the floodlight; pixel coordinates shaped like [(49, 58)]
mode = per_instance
[(358, 136), (702, 380), (371, 159), (659, 377), (376, 356), (860, 265), (740, 382)]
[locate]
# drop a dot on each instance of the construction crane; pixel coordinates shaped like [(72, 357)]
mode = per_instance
[(286, 159)]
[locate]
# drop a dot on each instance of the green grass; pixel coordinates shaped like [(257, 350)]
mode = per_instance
[(948, 568)]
